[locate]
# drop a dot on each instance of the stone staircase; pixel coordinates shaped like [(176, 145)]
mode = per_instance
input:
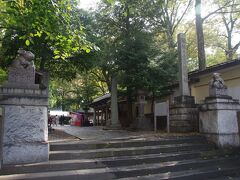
[(153, 158)]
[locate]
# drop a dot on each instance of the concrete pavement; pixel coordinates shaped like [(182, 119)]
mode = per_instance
[(98, 133)]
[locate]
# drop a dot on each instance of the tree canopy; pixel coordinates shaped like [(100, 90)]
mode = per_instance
[(52, 30), (134, 40)]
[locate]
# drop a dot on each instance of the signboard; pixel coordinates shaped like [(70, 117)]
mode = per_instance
[(161, 109)]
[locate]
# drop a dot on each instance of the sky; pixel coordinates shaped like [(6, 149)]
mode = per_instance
[(88, 4)]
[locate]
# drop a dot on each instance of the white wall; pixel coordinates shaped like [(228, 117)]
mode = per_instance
[(234, 92)]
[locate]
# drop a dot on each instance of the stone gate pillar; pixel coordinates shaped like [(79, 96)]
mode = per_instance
[(25, 109)]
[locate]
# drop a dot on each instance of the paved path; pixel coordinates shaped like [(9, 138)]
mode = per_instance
[(97, 133)]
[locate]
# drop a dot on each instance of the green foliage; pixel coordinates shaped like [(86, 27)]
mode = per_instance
[(162, 72), (132, 59), (136, 40), (51, 29), (216, 57), (165, 17), (3, 76), (129, 47), (75, 94)]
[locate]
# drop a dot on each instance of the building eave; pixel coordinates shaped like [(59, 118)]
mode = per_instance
[(214, 68)]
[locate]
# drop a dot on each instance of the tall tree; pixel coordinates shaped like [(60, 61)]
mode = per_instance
[(200, 35), (199, 25), (166, 16), (122, 44), (230, 18)]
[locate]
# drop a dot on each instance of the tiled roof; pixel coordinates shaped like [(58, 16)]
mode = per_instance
[(214, 68), (105, 96)]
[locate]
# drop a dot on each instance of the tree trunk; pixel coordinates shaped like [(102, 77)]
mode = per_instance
[(129, 106), (200, 36), (127, 39), (229, 52), (127, 22), (114, 104), (152, 103)]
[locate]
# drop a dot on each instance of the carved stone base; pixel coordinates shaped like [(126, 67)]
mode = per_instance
[(183, 119), (25, 136), (218, 121), (183, 115)]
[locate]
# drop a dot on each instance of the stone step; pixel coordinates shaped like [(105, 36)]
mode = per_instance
[(111, 152), (176, 166), (125, 143), (59, 165), (174, 169), (230, 176), (217, 172)]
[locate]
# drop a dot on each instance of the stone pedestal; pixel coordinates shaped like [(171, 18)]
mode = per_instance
[(25, 135), (218, 115), (218, 120), (183, 115)]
